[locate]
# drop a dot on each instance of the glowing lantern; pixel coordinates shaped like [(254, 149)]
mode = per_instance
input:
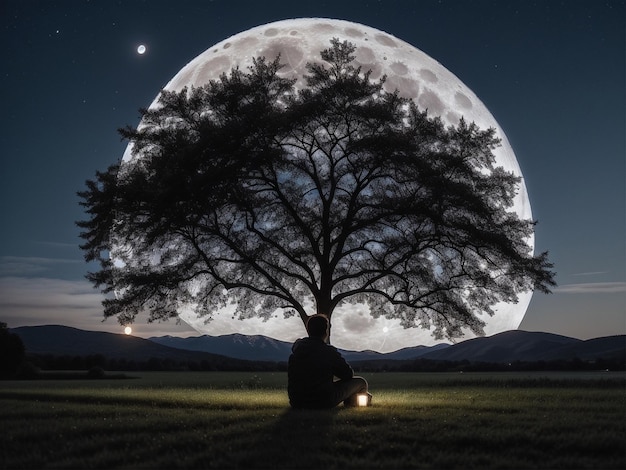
[(362, 399)]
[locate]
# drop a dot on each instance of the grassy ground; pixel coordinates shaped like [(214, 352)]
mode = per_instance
[(242, 420)]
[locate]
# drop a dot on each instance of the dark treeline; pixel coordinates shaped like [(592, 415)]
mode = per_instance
[(50, 362), (429, 365)]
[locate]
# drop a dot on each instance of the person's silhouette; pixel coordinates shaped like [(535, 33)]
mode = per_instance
[(313, 366)]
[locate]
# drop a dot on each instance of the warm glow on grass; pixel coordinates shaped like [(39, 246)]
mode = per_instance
[(128, 330)]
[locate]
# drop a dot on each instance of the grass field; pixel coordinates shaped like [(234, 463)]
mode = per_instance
[(242, 420)]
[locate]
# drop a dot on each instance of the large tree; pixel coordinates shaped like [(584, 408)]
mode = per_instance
[(247, 191)]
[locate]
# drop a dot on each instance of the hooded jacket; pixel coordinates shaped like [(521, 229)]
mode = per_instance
[(312, 366)]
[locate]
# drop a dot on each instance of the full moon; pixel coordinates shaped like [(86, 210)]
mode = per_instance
[(415, 75), (141, 49), (128, 330)]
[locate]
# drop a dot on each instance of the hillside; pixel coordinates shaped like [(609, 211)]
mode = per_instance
[(518, 345), (237, 351), (57, 340), (268, 349)]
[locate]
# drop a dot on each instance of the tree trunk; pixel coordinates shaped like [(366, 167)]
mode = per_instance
[(325, 307)]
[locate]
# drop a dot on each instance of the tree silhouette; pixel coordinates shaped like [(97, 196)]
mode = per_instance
[(248, 191), (12, 352)]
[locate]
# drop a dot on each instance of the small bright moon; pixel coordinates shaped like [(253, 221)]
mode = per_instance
[(141, 49), (385, 329), (128, 330)]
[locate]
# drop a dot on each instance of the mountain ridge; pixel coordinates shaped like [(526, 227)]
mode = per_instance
[(265, 348), (59, 340), (508, 346)]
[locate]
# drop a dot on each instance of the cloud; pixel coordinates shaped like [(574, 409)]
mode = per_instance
[(57, 244), (30, 266), (359, 321), (46, 301), (32, 296), (592, 288)]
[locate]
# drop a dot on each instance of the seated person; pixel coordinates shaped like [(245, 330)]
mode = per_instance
[(313, 364)]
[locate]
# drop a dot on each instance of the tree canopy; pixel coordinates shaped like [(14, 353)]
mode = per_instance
[(12, 352), (251, 192)]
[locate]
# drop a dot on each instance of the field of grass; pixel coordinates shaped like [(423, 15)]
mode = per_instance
[(243, 420)]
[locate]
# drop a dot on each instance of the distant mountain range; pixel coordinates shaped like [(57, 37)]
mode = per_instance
[(516, 345), (240, 346), (235, 350), (56, 340), (262, 348)]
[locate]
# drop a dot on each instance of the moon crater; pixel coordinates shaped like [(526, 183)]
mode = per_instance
[(430, 100), (428, 75), (453, 118), (408, 87), (462, 100), (365, 55), (291, 53), (325, 27), (385, 40), (219, 64), (246, 43), (399, 68), (353, 32)]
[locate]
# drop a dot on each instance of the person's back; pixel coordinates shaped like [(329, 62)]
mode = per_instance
[(312, 367)]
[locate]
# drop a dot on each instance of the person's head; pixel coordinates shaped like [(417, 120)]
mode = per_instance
[(317, 326)]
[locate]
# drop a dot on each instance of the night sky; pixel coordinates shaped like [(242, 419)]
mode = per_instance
[(551, 72)]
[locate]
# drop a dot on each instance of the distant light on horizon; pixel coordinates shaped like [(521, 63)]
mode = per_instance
[(128, 330)]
